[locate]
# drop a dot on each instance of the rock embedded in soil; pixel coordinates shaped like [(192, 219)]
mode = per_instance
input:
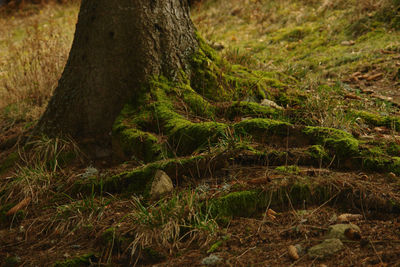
[(325, 249), (162, 184), (211, 260), (338, 230)]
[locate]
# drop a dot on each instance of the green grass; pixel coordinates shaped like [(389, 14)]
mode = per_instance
[(304, 40)]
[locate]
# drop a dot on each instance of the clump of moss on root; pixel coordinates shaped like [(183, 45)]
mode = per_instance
[(373, 119), (340, 143)]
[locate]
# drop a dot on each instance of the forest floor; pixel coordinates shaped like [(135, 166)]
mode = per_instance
[(248, 200)]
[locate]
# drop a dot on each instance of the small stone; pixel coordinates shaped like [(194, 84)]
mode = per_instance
[(392, 177), (161, 185), (270, 103), (211, 260), (338, 230), (325, 249), (89, 172)]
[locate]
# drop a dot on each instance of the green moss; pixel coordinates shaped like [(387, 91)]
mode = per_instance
[(84, 260), (206, 74), (317, 152), (138, 181), (243, 204), (9, 162), (301, 192), (184, 135), (395, 165), (137, 144), (341, 143), (250, 84), (218, 80), (188, 137), (262, 128), (215, 246), (108, 236), (393, 149), (198, 105), (390, 122), (292, 34), (375, 159), (293, 169), (242, 109)]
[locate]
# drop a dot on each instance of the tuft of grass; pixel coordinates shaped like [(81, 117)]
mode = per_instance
[(79, 213), (27, 182), (51, 153), (174, 223), (304, 43), (33, 52)]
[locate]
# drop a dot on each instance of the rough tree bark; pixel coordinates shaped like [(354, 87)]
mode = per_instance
[(118, 46)]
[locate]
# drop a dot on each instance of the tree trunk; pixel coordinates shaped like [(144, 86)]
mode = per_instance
[(118, 46)]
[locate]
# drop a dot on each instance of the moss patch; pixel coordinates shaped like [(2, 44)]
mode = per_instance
[(244, 204), (138, 181), (84, 260), (243, 109), (292, 169), (376, 160), (373, 119), (262, 128), (318, 152), (340, 143)]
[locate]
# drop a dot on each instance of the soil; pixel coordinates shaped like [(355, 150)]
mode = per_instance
[(257, 241)]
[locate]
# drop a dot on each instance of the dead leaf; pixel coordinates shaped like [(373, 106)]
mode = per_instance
[(381, 129), (375, 77), (384, 98), (352, 96), (388, 51), (271, 214), (25, 202), (292, 251)]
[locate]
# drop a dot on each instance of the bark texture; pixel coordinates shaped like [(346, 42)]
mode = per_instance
[(118, 46)]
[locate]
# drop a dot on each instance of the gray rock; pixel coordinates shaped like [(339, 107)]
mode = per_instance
[(161, 185), (337, 230), (326, 248), (89, 172), (211, 260)]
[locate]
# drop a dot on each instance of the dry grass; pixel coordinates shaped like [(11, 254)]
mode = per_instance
[(33, 52), (174, 223)]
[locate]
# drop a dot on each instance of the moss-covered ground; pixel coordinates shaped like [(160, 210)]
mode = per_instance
[(290, 106)]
